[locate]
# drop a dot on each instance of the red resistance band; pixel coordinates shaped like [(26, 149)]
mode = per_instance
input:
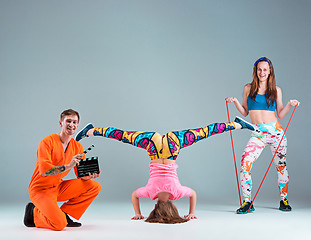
[(233, 152), (272, 158)]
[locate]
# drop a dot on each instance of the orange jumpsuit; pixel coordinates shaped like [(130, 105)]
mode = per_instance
[(45, 192)]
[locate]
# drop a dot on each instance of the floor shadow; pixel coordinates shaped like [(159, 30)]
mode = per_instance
[(265, 207)]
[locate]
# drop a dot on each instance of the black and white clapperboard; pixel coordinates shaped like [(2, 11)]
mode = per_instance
[(88, 165)]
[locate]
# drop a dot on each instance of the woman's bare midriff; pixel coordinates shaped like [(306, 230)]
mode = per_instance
[(163, 161), (262, 116)]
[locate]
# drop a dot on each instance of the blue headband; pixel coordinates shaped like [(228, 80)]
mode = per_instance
[(262, 59)]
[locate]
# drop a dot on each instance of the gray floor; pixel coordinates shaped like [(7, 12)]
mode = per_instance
[(215, 221)]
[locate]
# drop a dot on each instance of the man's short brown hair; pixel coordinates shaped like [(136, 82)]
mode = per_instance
[(69, 112)]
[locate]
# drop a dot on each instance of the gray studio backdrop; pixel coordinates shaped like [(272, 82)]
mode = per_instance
[(153, 66)]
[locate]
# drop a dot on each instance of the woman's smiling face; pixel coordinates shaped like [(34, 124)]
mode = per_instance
[(263, 71)]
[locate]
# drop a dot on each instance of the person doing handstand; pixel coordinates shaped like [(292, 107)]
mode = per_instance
[(163, 183)]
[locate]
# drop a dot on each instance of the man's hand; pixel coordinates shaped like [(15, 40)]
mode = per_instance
[(75, 161), (91, 176)]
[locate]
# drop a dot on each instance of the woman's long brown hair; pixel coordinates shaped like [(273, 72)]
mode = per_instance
[(165, 212), (271, 93)]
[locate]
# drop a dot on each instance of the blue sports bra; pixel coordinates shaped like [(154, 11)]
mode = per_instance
[(260, 103)]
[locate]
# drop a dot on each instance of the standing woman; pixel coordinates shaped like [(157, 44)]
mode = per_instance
[(261, 99)]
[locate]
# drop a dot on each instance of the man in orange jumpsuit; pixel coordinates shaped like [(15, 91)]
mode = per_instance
[(57, 154)]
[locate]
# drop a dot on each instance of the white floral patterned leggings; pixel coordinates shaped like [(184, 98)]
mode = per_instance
[(271, 134)]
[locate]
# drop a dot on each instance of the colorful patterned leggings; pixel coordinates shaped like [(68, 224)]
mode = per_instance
[(271, 135), (164, 146)]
